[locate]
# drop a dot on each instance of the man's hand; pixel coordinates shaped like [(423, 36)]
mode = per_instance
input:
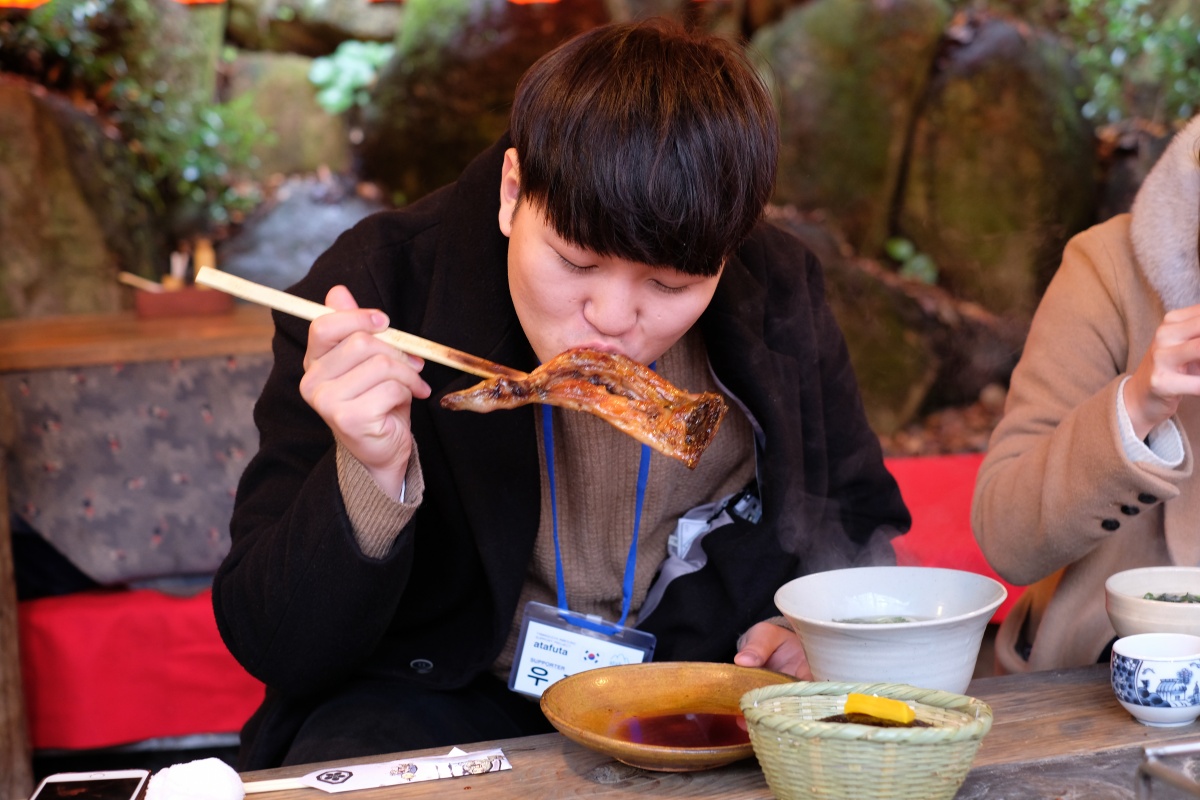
[(362, 387), (773, 647)]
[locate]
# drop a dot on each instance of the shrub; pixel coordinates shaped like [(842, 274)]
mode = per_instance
[(190, 149), (1141, 58), (343, 79)]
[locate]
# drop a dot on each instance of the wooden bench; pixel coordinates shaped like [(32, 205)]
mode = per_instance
[(76, 343), (938, 491)]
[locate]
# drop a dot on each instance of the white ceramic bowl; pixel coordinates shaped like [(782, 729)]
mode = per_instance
[(945, 613), (1130, 612), (1156, 677)]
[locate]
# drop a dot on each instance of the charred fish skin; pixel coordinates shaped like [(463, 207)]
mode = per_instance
[(705, 418), (623, 392)]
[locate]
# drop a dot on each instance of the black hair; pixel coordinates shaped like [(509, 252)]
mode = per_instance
[(648, 142)]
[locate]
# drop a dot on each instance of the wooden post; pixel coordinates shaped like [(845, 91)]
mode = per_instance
[(16, 766)]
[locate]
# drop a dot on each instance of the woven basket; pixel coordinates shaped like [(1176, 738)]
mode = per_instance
[(804, 758)]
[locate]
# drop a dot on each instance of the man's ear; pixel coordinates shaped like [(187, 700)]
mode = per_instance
[(510, 189)]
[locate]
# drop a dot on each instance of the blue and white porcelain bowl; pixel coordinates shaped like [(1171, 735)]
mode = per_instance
[(1156, 677)]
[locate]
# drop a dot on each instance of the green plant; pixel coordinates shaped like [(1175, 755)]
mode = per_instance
[(223, 135), (190, 150), (911, 264), (344, 77), (1139, 58)]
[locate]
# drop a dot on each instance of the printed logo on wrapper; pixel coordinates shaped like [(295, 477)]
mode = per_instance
[(335, 776), (556, 644)]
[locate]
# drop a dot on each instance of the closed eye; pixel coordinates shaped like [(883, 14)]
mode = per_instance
[(573, 267), (665, 289)]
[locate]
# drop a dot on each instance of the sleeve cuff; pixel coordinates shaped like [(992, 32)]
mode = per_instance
[(375, 517), (1162, 448)]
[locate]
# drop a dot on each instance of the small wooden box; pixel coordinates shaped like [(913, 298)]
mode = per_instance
[(191, 301)]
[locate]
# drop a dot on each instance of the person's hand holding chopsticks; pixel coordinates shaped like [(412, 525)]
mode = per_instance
[(363, 387)]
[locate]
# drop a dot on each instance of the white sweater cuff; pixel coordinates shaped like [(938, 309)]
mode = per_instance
[(1162, 448)]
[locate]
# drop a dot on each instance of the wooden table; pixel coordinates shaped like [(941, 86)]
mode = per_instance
[(82, 340), (1057, 734)]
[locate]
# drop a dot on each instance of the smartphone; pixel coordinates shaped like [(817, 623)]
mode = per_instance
[(116, 784)]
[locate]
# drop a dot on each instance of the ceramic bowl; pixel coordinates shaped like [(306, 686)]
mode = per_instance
[(1131, 612), (1156, 677), (665, 716), (920, 626)]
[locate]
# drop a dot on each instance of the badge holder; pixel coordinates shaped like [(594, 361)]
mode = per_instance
[(556, 644)]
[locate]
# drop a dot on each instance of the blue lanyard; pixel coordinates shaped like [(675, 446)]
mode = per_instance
[(631, 559)]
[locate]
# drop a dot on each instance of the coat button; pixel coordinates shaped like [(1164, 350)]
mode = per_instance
[(1130, 511), (421, 665), (1147, 498), (1110, 524)]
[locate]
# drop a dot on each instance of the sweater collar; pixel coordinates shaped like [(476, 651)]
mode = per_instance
[(1166, 221)]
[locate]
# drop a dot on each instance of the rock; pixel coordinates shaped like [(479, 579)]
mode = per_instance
[(188, 56), (279, 242), (885, 333), (915, 348), (172, 47), (310, 28), (303, 136), (446, 94), (1001, 167), (848, 76), (68, 222)]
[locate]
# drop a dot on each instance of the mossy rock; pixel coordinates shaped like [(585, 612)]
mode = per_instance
[(889, 336), (68, 221), (176, 49), (303, 136), (847, 77), (1002, 166), (310, 28), (446, 94), (892, 355)]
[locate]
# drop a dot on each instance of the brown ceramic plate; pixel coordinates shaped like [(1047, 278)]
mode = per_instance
[(596, 708)]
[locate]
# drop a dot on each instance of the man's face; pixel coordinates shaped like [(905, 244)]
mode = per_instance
[(568, 297)]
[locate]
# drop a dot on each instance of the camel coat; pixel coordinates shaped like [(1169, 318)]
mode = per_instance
[(1058, 504)]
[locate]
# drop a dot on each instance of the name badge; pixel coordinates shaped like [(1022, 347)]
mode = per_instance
[(556, 644)]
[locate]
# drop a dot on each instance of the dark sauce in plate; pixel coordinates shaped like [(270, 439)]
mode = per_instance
[(700, 729)]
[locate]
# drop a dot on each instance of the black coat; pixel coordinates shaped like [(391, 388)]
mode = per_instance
[(302, 608)]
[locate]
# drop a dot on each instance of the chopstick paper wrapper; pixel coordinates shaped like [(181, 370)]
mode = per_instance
[(334, 780)]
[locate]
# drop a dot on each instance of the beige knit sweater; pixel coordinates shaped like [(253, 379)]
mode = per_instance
[(596, 483), (595, 468)]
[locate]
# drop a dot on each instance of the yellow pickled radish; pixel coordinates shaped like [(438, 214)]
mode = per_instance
[(880, 707)]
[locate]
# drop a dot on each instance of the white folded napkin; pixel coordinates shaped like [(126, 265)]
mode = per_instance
[(206, 779)]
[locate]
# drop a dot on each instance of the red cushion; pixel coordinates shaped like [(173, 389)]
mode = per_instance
[(110, 667), (938, 492), (105, 668)]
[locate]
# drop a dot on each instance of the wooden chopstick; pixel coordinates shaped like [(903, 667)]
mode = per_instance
[(307, 309), (138, 282), (272, 785)]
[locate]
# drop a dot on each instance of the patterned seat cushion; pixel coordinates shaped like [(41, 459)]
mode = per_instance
[(130, 470)]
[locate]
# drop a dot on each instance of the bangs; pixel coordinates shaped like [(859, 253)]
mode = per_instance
[(647, 143)]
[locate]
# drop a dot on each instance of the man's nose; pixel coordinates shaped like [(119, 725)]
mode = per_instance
[(611, 312)]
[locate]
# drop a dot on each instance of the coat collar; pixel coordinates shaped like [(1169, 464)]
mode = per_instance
[(470, 308), (1166, 221), (470, 277)]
